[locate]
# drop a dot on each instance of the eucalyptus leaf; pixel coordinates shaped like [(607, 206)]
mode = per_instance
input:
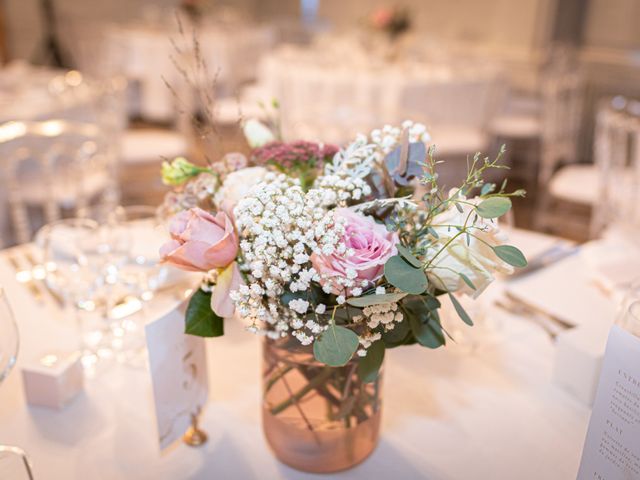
[(511, 255), (369, 366), (461, 311), (487, 188), (335, 346), (494, 207), (431, 302), (398, 336), (404, 276), (369, 300), (467, 280), (200, 320), (408, 256), (417, 154), (429, 334)]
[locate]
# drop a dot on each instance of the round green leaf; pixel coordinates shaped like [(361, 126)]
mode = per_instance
[(369, 366), (405, 277), (335, 346), (408, 256), (494, 207), (511, 255)]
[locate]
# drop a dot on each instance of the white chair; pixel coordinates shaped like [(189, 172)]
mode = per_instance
[(616, 198), (559, 134), (52, 169), (456, 111)]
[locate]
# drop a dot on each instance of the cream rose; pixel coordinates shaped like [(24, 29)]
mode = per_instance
[(476, 260), (236, 186)]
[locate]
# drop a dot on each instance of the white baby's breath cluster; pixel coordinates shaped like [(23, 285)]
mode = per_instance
[(378, 318), (281, 226), (345, 176), (388, 137)]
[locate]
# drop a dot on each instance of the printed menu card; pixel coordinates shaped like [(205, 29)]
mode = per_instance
[(178, 368), (612, 446)]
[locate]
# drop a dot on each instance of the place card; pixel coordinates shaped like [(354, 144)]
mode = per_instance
[(178, 366), (612, 446)]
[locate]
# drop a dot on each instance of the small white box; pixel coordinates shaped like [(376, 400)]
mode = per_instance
[(53, 380), (578, 360)]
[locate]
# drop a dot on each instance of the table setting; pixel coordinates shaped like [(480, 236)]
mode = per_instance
[(85, 290)]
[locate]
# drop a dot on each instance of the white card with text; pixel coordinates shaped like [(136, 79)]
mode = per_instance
[(612, 447), (178, 367)]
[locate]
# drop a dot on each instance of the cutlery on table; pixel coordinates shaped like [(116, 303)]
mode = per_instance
[(550, 324), (25, 277), (39, 273)]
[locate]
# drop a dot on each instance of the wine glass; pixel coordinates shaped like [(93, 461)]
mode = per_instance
[(140, 274), (630, 321), (145, 231), (8, 337), (76, 261), (8, 355)]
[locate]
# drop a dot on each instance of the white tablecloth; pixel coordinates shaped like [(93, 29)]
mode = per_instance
[(448, 414), (334, 91), (145, 53)]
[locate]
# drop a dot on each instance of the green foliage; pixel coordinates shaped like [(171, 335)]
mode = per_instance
[(461, 311), (335, 346), (369, 366), (368, 300), (511, 255), (408, 256), (494, 207), (201, 321), (424, 321), (404, 276), (429, 334), (467, 280), (400, 335)]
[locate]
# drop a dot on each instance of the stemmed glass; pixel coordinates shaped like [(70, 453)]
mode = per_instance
[(140, 273), (8, 354), (630, 320), (76, 259)]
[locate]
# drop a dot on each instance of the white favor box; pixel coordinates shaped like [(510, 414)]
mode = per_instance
[(578, 361), (53, 380)]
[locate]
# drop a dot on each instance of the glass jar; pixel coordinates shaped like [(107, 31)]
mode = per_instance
[(317, 418)]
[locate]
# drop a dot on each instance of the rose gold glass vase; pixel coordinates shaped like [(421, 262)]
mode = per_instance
[(317, 418)]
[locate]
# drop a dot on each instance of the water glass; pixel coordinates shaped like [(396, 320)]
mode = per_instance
[(630, 320)]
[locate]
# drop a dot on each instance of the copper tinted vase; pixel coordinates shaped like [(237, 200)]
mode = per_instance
[(317, 418)]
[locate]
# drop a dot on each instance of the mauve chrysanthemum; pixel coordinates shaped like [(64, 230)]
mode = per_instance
[(294, 154)]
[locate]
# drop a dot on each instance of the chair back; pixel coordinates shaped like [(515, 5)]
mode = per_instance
[(617, 159), (54, 169), (562, 94)]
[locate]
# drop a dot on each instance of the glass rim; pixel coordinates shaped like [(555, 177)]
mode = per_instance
[(634, 310)]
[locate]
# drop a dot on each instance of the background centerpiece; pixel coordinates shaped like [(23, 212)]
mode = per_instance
[(333, 256)]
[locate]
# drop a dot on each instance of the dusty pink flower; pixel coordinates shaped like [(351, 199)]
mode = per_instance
[(200, 242), (369, 246), (287, 155)]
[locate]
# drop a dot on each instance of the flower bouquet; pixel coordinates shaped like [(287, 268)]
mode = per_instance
[(333, 255), (393, 21)]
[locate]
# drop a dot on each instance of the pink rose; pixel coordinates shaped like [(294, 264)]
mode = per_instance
[(371, 245), (200, 242)]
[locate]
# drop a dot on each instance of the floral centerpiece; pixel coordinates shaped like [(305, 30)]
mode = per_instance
[(393, 21), (333, 255)]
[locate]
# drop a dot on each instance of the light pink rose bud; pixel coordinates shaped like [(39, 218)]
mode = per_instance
[(370, 245), (200, 242)]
